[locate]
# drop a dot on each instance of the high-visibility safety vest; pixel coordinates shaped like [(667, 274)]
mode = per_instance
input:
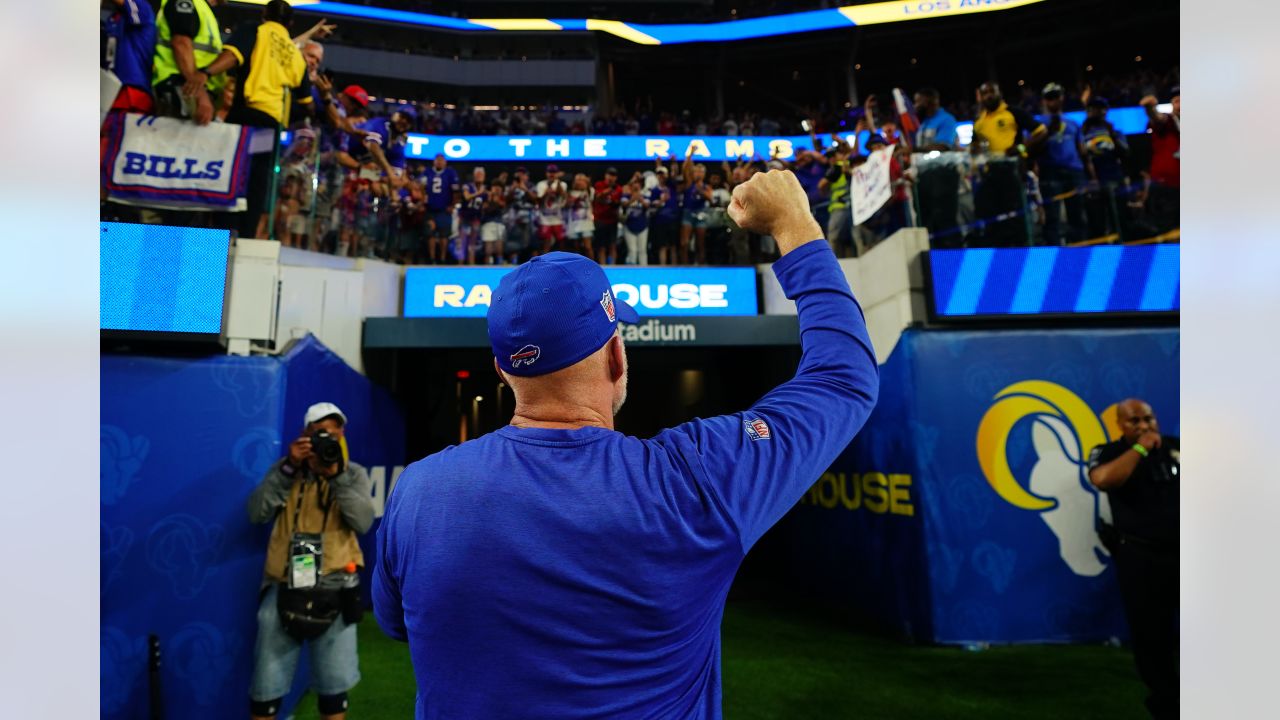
[(207, 45)]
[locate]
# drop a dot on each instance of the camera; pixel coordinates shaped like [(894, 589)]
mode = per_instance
[(326, 448)]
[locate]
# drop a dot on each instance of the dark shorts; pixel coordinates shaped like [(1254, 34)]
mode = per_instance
[(606, 235), (663, 234), (443, 220)]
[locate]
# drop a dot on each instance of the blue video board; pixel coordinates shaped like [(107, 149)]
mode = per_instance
[(1101, 279), (158, 278), (455, 292)]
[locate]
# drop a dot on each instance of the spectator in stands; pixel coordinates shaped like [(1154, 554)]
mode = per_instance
[(521, 216), (412, 210), (893, 215), (1063, 163), (664, 227), (492, 231), (999, 194), (128, 46), (835, 184), (551, 193), (344, 114), (268, 67), (441, 183), (604, 210), (937, 126), (718, 220), (579, 225), (696, 194), (1165, 171), (188, 40), (1107, 149), (385, 140), (474, 196), (298, 164), (1007, 130), (636, 205)]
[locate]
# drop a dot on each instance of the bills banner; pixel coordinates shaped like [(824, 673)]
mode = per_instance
[(870, 186), (170, 163), (179, 558), (962, 512)]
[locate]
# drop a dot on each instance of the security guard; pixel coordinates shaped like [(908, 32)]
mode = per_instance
[(1003, 127), (268, 67), (188, 39), (1140, 474)]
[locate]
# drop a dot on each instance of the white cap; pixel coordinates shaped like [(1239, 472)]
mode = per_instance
[(322, 410)]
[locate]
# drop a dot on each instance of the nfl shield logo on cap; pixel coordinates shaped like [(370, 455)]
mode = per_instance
[(606, 302)]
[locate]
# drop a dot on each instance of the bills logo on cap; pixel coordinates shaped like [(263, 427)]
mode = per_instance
[(757, 429), (606, 302), (527, 355)]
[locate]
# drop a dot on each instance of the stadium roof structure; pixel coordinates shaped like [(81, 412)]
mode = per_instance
[(674, 33)]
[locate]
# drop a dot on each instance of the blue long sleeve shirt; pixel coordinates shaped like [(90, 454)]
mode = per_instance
[(563, 574)]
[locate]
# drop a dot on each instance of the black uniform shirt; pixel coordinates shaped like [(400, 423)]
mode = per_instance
[(1146, 506)]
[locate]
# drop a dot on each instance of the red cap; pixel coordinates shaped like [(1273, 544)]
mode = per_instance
[(357, 93)]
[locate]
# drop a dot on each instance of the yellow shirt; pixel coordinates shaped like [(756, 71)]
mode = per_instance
[(270, 67), (1003, 127)]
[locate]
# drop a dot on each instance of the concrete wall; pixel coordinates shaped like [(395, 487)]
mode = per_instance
[(887, 281), (447, 71)]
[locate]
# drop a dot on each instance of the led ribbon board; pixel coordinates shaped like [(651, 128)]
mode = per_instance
[(157, 278), (1096, 280), (456, 292), (706, 148), (675, 33)]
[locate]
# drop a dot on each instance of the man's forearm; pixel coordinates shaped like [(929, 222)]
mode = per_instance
[(790, 237), (184, 56), (225, 61), (1114, 474)]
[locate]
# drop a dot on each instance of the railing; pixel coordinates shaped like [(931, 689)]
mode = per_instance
[(968, 200), (963, 199)]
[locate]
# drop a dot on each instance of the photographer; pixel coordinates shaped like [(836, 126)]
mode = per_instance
[(320, 501), (1139, 472)]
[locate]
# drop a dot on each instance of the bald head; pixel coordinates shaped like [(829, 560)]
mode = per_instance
[(589, 392), (1135, 418)]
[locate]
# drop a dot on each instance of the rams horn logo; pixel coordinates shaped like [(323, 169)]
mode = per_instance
[(526, 355), (1064, 430)]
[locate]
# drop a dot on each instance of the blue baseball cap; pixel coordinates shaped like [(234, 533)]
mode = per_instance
[(551, 312)]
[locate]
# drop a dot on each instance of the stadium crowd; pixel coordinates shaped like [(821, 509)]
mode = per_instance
[(346, 186)]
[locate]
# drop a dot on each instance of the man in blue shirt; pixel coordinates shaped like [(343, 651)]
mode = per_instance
[(385, 141), (128, 45), (1062, 171), (937, 126), (441, 182), (559, 569)]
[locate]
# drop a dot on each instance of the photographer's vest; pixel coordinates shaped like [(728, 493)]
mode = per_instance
[(317, 511), (206, 46)]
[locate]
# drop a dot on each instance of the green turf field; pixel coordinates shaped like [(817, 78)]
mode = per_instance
[(796, 665)]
